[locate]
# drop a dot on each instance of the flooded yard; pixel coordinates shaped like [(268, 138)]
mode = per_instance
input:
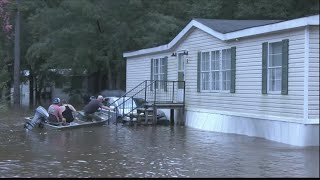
[(161, 151)]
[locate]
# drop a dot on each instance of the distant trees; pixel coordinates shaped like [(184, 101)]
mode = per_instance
[(16, 64), (5, 36), (91, 35)]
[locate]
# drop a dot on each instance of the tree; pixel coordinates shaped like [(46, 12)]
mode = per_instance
[(16, 75), (5, 36), (91, 35)]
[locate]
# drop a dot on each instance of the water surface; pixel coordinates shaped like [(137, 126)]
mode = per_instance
[(162, 151)]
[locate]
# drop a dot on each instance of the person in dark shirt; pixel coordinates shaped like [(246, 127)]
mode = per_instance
[(92, 107), (67, 111)]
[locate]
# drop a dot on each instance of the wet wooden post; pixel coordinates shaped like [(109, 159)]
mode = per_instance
[(171, 117), (146, 115), (183, 120), (154, 115), (181, 116)]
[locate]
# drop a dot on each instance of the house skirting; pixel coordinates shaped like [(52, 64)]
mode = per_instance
[(292, 133)]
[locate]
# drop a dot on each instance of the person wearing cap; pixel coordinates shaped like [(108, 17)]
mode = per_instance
[(93, 106), (55, 113)]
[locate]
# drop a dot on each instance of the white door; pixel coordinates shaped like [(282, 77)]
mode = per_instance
[(181, 76)]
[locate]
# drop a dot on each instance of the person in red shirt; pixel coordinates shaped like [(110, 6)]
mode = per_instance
[(55, 113)]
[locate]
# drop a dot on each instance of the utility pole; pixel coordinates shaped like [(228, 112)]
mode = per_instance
[(16, 71)]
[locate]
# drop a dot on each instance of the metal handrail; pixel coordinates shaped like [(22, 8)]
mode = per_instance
[(127, 93), (155, 94), (123, 102)]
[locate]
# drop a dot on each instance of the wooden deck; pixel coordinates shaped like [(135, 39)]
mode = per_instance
[(169, 105)]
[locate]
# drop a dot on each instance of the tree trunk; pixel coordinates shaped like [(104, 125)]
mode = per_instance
[(110, 83), (37, 91), (98, 81), (7, 91), (31, 88), (40, 87), (118, 77), (16, 74)]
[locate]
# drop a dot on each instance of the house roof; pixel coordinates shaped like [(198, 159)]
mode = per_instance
[(226, 26), (231, 29)]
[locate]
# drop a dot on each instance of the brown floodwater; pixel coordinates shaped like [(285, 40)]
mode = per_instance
[(145, 151)]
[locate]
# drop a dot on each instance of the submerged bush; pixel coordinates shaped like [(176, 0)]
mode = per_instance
[(3, 107)]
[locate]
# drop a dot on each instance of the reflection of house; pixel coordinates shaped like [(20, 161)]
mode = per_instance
[(251, 77), (59, 87)]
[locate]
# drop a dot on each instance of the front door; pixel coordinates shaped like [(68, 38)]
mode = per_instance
[(181, 76)]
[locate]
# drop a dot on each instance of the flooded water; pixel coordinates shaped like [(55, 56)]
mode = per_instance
[(162, 151)]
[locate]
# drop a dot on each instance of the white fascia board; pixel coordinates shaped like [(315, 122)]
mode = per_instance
[(210, 31), (295, 23), (181, 34), (313, 20), (163, 47), (146, 51), (185, 30), (198, 25)]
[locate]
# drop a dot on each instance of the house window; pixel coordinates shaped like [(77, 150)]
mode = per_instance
[(159, 72), (274, 66), (205, 71), (225, 69), (215, 70)]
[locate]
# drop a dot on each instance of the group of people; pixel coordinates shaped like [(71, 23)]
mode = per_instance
[(61, 111)]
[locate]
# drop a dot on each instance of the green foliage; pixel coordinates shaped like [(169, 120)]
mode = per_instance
[(3, 107), (76, 97), (91, 35), (4, 77)]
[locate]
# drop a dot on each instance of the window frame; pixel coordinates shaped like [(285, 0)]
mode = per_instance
[(224, 70), (208, 71), (219, 71), (274, 67), (214, 70)]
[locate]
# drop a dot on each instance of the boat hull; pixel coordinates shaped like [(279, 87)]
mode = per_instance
[(77, 123)]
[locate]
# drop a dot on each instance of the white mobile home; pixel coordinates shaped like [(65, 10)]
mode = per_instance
[(252, 77)]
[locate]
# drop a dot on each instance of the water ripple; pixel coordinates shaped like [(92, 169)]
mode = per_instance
[(111, 151)]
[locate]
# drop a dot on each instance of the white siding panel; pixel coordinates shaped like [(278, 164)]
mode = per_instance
[(248, 74), (314, 73), (248, 97), (138, 69)]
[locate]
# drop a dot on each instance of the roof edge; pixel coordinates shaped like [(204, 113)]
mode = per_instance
[(283, 25)]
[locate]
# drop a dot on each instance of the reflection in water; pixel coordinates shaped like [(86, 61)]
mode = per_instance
[(110, 151)]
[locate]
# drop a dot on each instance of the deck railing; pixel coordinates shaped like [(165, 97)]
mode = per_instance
[(149, 93)]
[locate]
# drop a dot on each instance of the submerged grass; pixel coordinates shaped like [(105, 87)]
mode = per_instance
[(4, 107)]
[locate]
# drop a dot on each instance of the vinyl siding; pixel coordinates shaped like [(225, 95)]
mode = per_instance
[(139, 70), (313, 98), (248, 97)]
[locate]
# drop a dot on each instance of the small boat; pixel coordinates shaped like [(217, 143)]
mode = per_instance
[(40, 120)]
